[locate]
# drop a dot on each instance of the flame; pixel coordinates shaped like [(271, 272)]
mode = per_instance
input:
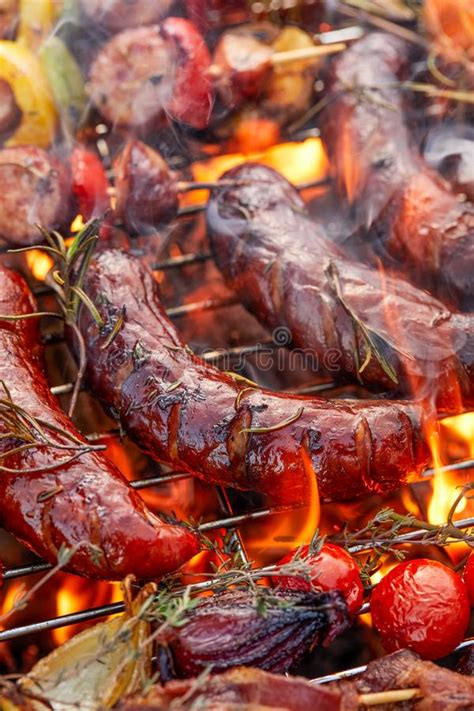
[(268, 541), (300, 162), (39, 263), (77, 224), (456, 436), (78, 594)]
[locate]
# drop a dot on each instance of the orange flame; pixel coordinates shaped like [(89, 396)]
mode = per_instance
[(459, 429), (270, 540), (299, 162), (39, 263)]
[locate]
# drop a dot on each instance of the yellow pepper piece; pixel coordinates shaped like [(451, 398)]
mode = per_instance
[(23, 71), (37, 18)]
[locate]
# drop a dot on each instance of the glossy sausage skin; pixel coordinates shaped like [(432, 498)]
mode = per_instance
[(86, 505), (288, 273), (416, 219), (192, 415)]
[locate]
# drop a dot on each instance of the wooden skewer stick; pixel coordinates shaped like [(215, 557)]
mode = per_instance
[(299, 54), (392, 696), (306, 53)]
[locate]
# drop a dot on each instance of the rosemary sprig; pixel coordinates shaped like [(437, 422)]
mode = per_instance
[(28, 432), (275, 427), (67, 280), (367, 333)]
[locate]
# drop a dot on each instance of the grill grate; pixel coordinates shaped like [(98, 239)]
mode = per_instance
[(229, 520)]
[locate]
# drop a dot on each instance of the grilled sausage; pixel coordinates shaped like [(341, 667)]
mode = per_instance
[(146, 190), (85, 504), (116, 15), (416, 219), (288, 273), (182, 411), (142, 72), (35, 190)]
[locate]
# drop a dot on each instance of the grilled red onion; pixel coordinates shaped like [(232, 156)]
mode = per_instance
[(272, 630)]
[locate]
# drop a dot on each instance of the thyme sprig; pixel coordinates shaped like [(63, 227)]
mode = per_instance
[(388, 530)]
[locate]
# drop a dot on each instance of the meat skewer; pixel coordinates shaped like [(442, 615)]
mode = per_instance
[(58, 492), (415, 219), (143, 71), (187, 413), (35, 190), (146, 190), (355, 320)]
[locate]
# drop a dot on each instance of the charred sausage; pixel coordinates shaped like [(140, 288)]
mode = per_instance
[(84, 504), (182, 411), (142, 72), (358, 322), (116, 15), (146, 190), (416, 219), (36, 189)]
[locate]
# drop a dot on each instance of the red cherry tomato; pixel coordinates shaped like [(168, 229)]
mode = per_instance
[(89, 182), (191, 98), (422, 605), (468, 577), (331, 569)]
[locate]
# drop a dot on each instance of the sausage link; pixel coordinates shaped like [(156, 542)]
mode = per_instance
[(288, 273), (189, 414), (416, 219), (85, 504)]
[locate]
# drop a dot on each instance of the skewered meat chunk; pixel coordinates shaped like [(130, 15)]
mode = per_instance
[(131, 77), (251, 689), (187, 413), (55, 490), (415, 218), (145, 188), (144, 71), (356, 321), (35, 191), (116, 15)]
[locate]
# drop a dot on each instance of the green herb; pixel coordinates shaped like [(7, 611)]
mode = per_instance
[(277, 426), (115, 330), (367, 333), (140, 355)]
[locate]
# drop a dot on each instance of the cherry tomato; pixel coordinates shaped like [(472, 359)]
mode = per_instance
[(192, 97), (90, 182), (468, 577), (331, 569), (423, 605)]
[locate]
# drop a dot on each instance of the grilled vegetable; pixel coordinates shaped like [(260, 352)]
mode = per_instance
[(271, 630), (89, 182), (331, 568), (24, 73), (421, 605), (99, 666)]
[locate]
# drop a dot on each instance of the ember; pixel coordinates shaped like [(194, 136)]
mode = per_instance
[(252, 296)]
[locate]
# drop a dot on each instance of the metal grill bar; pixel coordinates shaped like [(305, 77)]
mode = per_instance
[(355, 671)]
